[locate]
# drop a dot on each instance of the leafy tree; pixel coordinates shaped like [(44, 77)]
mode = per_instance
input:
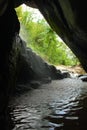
[(42, 39)]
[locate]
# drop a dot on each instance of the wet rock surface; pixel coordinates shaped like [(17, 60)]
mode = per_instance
[(83, 77)]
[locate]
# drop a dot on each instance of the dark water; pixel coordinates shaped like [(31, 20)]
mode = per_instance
[(60, 105)]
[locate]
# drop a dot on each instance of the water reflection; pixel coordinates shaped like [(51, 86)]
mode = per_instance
[(57, 106)]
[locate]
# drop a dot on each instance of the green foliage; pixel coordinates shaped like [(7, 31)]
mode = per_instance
[(42, 39)]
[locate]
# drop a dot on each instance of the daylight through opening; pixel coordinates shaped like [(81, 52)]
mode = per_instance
[(40, 37)]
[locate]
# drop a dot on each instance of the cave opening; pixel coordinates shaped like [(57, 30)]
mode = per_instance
[(40, 37), (44, 97)]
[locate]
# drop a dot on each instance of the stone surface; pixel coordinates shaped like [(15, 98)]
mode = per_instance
[(32, 67), (9, 28), (83, 77)]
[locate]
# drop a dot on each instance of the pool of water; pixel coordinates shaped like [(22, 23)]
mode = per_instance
[(59, 105)]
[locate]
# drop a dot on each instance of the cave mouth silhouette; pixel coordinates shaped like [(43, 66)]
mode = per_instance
[(37, 17)]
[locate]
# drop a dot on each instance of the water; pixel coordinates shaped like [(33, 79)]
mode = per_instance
[(60, 105)]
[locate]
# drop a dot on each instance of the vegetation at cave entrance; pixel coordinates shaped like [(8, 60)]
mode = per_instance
[(43, 40)]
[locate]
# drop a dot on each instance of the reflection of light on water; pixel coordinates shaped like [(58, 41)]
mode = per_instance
[(51, 128), (55, 125), (72, 118), (54, 106)]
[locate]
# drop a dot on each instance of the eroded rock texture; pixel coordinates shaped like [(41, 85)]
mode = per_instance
[(9, 27)]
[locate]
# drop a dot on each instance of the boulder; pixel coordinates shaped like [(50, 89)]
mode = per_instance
[(83, 77), (33, 67)]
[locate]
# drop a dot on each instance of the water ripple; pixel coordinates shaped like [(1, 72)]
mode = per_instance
[(61, 105)]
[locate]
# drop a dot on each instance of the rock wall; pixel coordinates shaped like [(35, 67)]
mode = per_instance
[(9, 27), (32, 67)]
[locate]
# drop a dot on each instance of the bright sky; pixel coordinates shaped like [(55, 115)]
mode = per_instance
[(36, 13)]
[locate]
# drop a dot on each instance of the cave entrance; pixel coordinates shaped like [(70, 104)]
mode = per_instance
[(39, 36)]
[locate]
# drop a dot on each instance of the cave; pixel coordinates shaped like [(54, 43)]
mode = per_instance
[(67, 19)]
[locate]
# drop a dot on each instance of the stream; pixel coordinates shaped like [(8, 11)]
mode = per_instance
[(59, 105)]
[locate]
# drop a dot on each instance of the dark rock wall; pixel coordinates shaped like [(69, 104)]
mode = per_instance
[(68, 19), (9, 27)]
